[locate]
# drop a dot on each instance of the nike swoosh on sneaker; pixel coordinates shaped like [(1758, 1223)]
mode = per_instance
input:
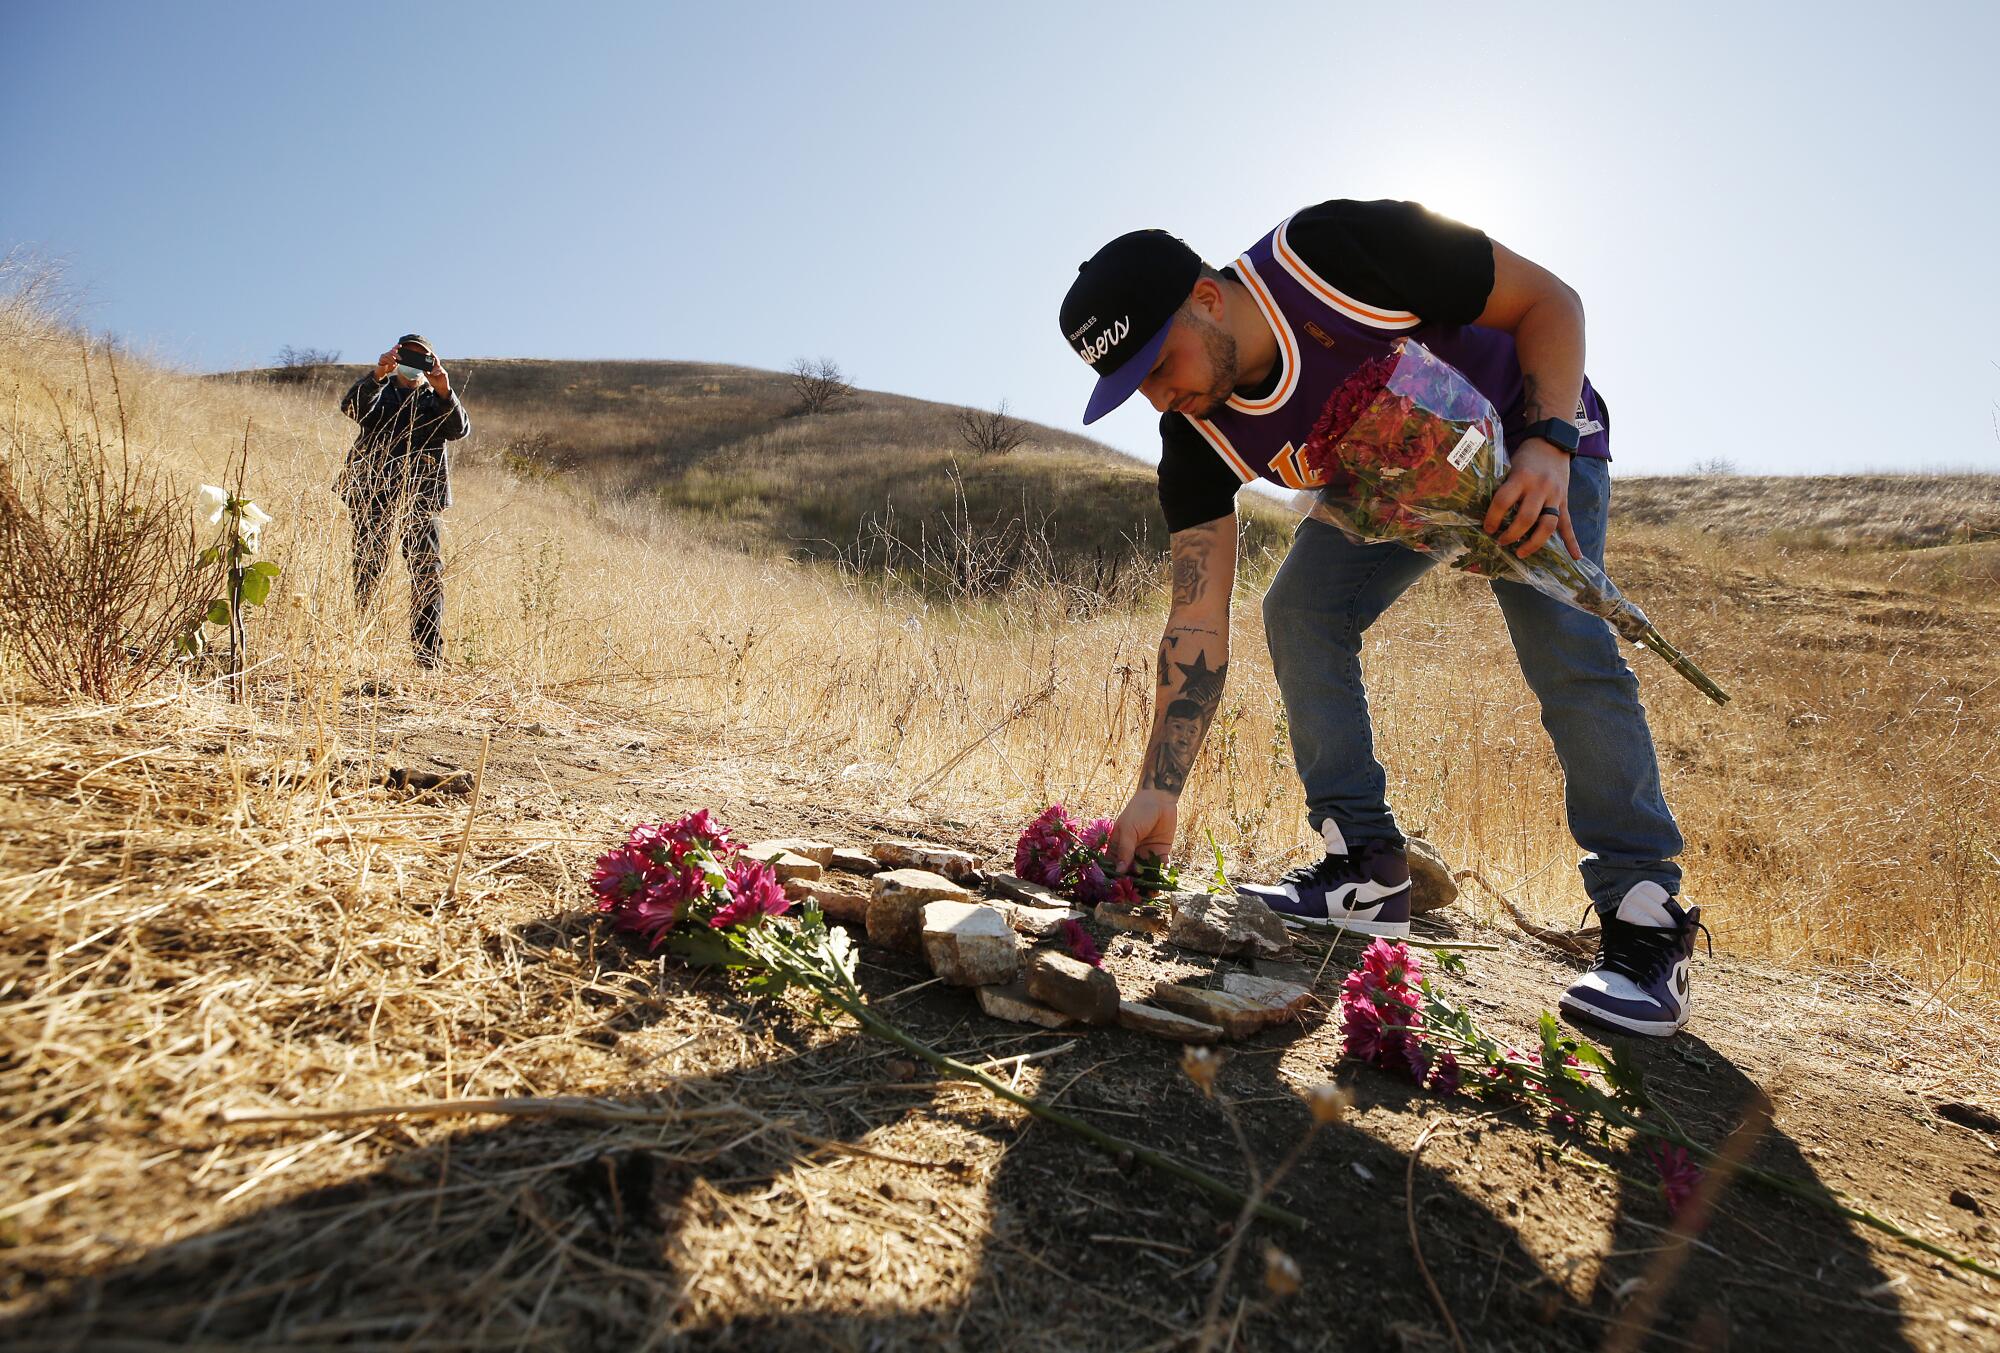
[(1348, 897)]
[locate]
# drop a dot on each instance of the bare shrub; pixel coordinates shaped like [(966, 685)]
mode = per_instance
[(1712, 466), (100, 568), (991, 432), (303, 364), (820, 385)]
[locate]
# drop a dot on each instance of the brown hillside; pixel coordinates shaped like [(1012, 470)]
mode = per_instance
[(882, 483), (1824, 511)]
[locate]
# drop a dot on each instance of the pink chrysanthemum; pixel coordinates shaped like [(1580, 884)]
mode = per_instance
[(1125, 891), (1081, 945), (1444, 1076), (1044, 845), (620, 873), (754, 893), (1679, 1175)]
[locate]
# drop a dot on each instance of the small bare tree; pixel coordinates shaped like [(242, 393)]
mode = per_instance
[(1713, 465), (820, 385), (991, 432), (303, 364)]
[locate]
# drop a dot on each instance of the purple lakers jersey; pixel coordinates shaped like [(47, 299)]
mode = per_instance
[(1323, 334)]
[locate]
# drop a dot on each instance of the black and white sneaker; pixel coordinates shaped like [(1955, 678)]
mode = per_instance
[(1365, 890), (1639, 981)]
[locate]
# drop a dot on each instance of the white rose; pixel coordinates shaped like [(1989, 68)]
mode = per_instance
[(212, 501), (254, 519)]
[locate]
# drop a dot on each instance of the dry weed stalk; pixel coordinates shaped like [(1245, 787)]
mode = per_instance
[(100, 568)]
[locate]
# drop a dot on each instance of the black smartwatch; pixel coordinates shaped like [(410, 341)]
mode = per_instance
[(1559, 432)]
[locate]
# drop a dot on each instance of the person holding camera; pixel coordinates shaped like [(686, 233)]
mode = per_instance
[(398, 477)]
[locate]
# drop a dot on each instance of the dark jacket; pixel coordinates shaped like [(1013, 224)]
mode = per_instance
[(401, 445)]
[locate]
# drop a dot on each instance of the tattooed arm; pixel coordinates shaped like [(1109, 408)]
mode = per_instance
[(1192, 665)]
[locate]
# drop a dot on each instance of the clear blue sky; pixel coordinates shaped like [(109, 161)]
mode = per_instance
[(1782, 218)]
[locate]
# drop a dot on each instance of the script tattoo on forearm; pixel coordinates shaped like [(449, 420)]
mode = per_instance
[(1186, 716)]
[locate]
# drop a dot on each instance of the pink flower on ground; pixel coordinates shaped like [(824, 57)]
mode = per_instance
[(1679, 1175), (620, 873), (754, 893), (1125, 891), (1444, 1077), (1081, 945), (1039, 854)]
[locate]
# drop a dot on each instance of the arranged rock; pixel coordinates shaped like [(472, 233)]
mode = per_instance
[(1235, 1016), (1073, 987), (839, 901), (1284, 970), (969, 944), (1158, 1023), (1283, 998), (1026, 892), (788, 866), (1137, 920), (1431, 883), (1243, 1005), (956, 865), (1012, 1002), (1231, 927), (896, 906), (1035, 922), (850, 861), (819, 852)]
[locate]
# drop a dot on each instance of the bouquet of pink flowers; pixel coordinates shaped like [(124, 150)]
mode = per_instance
[(1076, 861), (683, 875), (1409, 450)]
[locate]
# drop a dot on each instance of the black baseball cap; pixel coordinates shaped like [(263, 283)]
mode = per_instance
[(1119, 309)]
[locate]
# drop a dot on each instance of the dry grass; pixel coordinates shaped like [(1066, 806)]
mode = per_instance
[(211, 906)]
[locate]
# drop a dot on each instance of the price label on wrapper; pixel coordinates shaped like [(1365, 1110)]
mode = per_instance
[(1468, 446)]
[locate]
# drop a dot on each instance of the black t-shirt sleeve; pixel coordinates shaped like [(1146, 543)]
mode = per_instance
[(1196, 485), (1398, 255)]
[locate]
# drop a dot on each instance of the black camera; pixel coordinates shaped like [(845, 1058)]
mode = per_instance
[(417, 358)]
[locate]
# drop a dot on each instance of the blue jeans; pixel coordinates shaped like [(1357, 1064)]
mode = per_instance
[(1329, 590)]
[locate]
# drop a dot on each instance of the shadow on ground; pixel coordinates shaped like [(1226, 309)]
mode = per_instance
[(832, 1199)]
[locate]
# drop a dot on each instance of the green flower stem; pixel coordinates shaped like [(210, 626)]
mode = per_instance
[(838, 989)]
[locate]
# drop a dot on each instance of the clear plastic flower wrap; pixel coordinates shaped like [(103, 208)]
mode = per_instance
[(1408, 450)]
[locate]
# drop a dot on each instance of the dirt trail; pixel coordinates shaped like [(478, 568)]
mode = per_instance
[(855, 1204)]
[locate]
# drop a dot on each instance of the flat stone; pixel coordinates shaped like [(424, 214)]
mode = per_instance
[(1026, 892), (1073, 987), (1231, 927), (1150, 1019), (1284, 970), (1431, 883), (1012, 1002), (1037, 923), (969, 944), (956, 865), (788, 866), (850, 861), (896, 906), (1244, 1004), (1283, 998), (819, 852), (1235, 1016), (837, 900), (1138, 921)]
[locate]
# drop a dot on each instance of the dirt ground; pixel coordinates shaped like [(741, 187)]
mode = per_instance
[(761, 1181)]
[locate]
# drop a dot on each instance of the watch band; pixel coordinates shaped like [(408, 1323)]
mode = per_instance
[(1558, 432)]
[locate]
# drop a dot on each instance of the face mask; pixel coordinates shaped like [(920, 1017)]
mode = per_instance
[(409, 373)]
